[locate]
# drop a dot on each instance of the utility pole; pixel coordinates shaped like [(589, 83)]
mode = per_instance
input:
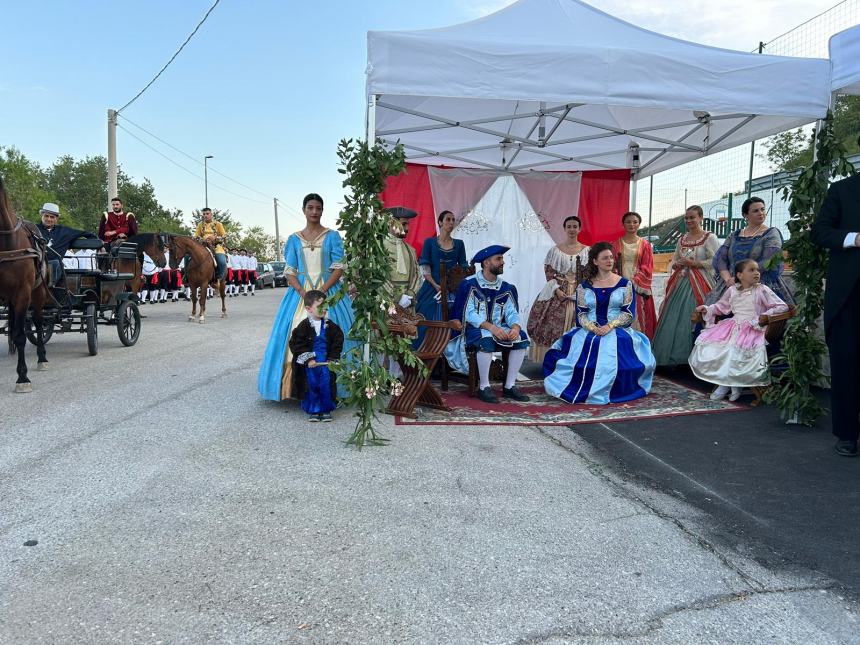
[(206, 180), (113, 190), (277, 232)]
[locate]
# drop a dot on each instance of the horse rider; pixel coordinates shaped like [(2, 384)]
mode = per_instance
[(212, 233), (58, 238), (116, 225)]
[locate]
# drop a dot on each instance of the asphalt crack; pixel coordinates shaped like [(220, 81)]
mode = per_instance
[(656, 622)]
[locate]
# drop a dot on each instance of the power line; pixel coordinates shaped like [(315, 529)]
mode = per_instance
[(172, 58), (211, 169), (190, 172)]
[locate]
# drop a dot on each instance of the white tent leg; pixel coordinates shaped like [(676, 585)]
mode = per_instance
[(633, 193), (370, 120)]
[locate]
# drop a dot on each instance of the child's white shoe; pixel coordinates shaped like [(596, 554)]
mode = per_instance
[(719, 393), (736, 394)]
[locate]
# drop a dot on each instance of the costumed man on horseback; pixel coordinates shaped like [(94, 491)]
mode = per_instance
[(211, 233), (116, 225)]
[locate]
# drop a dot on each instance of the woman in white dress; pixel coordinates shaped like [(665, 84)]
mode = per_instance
[(554, 311)]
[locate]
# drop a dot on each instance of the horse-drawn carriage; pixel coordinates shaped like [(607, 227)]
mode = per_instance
[(92, 293)]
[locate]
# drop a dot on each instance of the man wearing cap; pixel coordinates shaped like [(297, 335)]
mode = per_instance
[(116, 224), (212, 233), (58, 238), (405, 278), (487, 306)]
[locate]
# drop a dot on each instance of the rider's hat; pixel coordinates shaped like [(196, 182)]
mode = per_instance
[(50, 207)]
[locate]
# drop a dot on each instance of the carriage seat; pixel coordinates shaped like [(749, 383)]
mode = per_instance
[(113, 277), (90, 272), (88, 243)]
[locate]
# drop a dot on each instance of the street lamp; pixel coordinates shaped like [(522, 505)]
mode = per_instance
[(206, 179)]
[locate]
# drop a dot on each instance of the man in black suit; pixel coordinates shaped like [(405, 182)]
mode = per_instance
[(838, 228)]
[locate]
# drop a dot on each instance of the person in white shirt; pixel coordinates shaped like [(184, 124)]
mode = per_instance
[(252, 271), (243, 258), (170, 280), (232, 274), (149, 284)]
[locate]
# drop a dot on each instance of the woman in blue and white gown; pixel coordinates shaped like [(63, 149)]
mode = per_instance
[(603, 359)]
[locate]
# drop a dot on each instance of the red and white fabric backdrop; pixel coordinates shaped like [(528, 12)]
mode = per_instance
[(523, 211)]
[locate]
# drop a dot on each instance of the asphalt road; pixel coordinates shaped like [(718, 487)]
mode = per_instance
[(170, 504)]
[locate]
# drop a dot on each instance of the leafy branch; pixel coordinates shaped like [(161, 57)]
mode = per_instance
[(802, 348), (364, 222)]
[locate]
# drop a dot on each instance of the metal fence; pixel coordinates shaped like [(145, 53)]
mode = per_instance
[(721, 182)]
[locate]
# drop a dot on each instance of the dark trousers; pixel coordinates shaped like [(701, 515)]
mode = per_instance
[(843, 342)]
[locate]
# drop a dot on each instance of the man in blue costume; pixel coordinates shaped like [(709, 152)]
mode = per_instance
[(487, 307)]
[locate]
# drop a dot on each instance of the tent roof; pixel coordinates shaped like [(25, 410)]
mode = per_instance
[(560, 85)]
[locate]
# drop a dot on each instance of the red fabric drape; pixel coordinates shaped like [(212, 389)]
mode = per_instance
[(411, 189), (603, 198)]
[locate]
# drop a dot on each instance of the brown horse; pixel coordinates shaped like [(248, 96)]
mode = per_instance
[(23, 275), (153, 244), (199, 273)]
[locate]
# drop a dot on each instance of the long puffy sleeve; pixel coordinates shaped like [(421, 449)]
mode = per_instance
[(475, 312), (291, 256), (511, 313), (644, 275), (583, 311), (768, 303), (426, 258), (336, 251), (627, 314), (461, 253), (721, 307), (721, 257)]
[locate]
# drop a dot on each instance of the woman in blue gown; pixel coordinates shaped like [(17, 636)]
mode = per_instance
[(314, 258), (438, 250), (603, 359)]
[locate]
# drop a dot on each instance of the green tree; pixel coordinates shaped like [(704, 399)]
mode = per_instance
[(258, 242), (793, 149), (231, 226), (26, 185)]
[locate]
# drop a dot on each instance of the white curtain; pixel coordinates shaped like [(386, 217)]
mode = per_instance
[(505, 216)]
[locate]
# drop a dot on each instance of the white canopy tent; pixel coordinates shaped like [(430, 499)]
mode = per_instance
[(558, 85)]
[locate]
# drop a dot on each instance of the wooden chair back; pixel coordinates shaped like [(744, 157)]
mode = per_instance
[(449, 282)]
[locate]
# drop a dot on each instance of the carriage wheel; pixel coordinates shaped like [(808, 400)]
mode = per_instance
[(128, 323), (47, 330), (92, 329)]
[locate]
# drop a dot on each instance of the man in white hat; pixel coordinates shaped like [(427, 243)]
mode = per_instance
[(59, 238)]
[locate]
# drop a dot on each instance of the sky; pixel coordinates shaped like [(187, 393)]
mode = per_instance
[(267, 87)]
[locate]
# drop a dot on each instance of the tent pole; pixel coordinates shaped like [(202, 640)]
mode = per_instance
[(370, 120), (650, 202), (633, 191)]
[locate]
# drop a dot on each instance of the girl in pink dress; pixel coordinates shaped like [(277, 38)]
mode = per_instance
[(732, 353)]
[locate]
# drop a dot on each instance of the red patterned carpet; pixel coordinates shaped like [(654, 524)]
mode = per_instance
[(666, 399)]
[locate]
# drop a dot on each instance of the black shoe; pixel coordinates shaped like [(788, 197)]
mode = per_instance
[(846, 448), (486, 395), (325, 416), (515, 394), (313, 418)]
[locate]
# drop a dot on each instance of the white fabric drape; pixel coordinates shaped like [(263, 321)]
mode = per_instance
[(505, 216)]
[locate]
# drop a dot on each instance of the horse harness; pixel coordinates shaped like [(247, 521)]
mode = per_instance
[(37, 252)]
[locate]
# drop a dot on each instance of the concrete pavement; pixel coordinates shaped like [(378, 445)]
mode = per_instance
[(170, 504)]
